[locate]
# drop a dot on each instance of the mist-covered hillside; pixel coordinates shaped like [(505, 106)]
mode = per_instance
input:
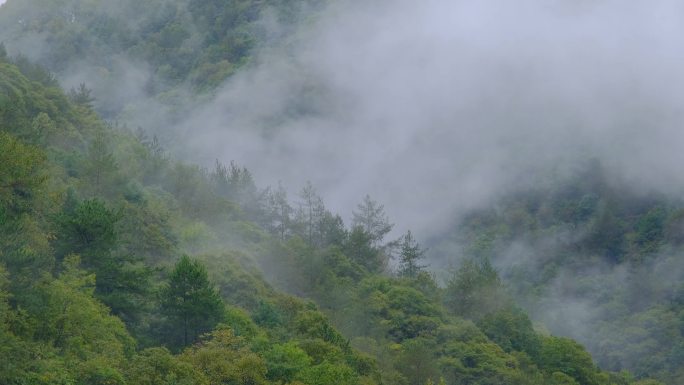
[(591, 259), (184, 192), (98, 288), (140, 57)]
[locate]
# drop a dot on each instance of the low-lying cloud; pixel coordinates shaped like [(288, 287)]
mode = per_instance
[(436, 106)]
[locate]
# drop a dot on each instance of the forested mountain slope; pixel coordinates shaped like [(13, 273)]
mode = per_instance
[(591, 258), (138, 55), (92, 224), (96, 290), (121, 265)]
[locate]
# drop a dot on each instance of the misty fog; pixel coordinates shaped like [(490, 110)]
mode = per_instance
[(436, 106), (432, 108)]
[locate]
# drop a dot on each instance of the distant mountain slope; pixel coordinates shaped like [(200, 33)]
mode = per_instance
[(591, 259), (131, 51)]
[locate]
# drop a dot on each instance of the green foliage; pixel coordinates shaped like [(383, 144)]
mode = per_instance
[(81, 341), (181, 44), (155, 366), (512, 330), (650, 230), (22, 176), (359, 247), (478, 363), (223, 358), (278, 212), (239, 322), (417, 360), (236, 184), (24, 245), (190, 304), (101, 168), (267, 315), (590, 239), (309, 215), (559, 378), (285, 362), (82, 96), (146, 229), (96, 372), (238, 279), (568, 357), (82, 325), (328, 374), (475, 290), (313, 324), (409, 255), (88, 229), (402, 311)]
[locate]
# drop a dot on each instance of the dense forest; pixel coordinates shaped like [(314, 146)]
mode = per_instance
[(120, 264)]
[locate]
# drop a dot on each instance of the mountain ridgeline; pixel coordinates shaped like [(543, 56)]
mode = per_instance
[(121, 265)]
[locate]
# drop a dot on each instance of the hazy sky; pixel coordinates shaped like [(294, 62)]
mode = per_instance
[(434, 106)]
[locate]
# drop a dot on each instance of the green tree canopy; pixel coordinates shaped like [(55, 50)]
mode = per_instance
[(191, 305)]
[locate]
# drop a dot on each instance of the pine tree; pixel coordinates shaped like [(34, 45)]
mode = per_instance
[(279, 212), (190, 304), (410, 255), (310, 214), (101, 166)]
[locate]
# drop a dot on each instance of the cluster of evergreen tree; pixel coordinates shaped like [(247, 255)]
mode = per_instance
[(122, 266)]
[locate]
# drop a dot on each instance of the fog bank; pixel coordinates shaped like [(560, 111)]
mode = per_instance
[(434, 107)]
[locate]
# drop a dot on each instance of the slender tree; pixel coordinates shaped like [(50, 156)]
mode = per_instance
[(82, 96), (371, 217), (279, 212), (101, 166), (310, 213), (410, 255)]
